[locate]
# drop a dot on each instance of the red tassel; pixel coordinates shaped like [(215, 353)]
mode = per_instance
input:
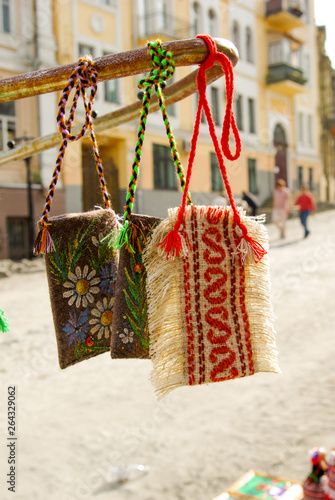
[(246, 243), (257, 248), (173, 243), (43, 243)]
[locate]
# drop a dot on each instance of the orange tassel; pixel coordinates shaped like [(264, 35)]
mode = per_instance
[(43, 243)]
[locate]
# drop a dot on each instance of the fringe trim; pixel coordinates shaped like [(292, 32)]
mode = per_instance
[(168, 341), (167, 352), (258, 303)]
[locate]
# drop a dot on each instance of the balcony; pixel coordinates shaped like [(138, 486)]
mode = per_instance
[(163, 26), (285, 15), (285, 73), (285, 79)]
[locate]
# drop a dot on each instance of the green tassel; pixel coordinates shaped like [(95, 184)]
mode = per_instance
[(120, 237), (4, 323)]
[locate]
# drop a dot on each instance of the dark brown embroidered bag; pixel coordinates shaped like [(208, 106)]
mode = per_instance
[(130, 336), (81, 268)]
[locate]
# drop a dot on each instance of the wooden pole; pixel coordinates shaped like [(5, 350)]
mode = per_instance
[(185, 53), (173, 93)]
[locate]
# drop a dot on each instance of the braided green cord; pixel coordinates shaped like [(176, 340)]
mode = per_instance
[(163, 70), (172, 142), (138, 154)]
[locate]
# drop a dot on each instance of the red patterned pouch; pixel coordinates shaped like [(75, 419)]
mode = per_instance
[(81, 268), (209, 309)]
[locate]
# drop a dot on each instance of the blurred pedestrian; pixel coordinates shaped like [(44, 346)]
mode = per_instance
[(281, 206), (306, 205), (252, 201)]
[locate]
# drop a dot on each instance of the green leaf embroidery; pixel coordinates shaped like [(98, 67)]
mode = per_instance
[(136, 299)]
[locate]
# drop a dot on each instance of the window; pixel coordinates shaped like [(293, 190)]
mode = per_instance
[(252, 120), (142, 17), (300, 176), (7, 123), (301, 127), (197, 23), (279, 135), (5, 16), (311, 178), (216, 178), (239, 112), (309, 130), (215, 105), (236, 36), (212, 23), (249, 47), (85, 50), (164, 169), (112, 3), (252, 175), (162, 14), (18, 237), (111, 91)]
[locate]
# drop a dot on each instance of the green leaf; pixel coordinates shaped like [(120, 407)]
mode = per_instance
[(133, 287), (132, 307), (138, 332)]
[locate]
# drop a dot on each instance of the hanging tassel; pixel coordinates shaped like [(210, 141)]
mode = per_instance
[(120, 237), (175, 242), (247, 247), (43, 243), (4, 323)]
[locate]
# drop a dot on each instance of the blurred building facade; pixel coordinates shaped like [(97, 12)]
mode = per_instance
[(277, 99), (27, 43), (327, 114)]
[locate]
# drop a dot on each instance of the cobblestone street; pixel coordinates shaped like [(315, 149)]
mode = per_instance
[(74, 425)]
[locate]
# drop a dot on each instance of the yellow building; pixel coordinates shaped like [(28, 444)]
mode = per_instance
[(26, 44), (277, 93), (276, 99), (326, 84)]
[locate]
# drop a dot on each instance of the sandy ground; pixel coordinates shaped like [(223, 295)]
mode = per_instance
[(74, 425)]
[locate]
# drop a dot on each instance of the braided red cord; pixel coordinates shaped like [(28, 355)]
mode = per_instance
[(172, 242)]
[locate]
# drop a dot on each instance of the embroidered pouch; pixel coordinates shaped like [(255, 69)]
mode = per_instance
[(130, 337), (81, 273), (209, 310), (81, 268)]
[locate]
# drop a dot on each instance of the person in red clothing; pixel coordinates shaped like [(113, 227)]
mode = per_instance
[(306, 204)]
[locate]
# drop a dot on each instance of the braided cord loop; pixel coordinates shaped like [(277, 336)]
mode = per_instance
[(162, 69), (176, 240), (81, 79)]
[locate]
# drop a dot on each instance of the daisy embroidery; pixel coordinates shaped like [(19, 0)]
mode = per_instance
[(103, 317), (77, 327), (127, 336), (81, 286)]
